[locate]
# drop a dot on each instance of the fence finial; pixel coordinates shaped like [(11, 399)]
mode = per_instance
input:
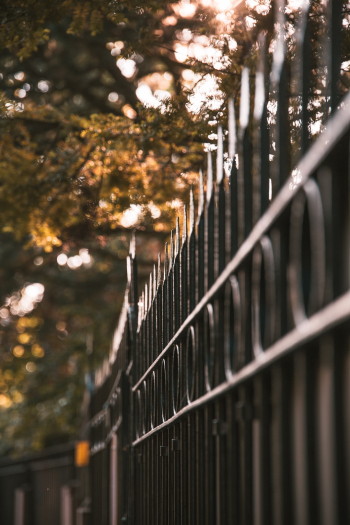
[(259, 99), (146, 299), (139, 312), (150, 289), (209, 176), (177, 237), (232, 136), (132, 249), (220, 156), (279, 53), (155, 280), (171, 260), (128, 269), (159, 277), (245, 100), (201, 195), (166, 261), (191, 210), (184, 225)]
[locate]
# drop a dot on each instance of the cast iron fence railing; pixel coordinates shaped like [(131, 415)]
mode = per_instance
[(226, 398)]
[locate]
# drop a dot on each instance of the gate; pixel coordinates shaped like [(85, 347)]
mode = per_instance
[(226, 397)]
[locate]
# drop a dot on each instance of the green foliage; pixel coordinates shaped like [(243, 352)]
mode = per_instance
[(78, 149)]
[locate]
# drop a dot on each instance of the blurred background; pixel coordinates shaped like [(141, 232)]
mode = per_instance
[(106, 113)]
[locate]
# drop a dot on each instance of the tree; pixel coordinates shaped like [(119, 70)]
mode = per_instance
[(88, 152)]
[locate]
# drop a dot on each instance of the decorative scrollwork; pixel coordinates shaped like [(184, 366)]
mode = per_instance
[(175, 379), (263, 296), (209, 347), (190, 364), (153, 400), (144, 405), (233, 325), (305, 304), (163, 389)]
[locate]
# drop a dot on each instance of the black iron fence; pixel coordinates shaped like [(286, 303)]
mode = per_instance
[(226, 397)]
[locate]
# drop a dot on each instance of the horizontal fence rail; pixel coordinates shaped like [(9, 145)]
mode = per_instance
[(226, 397)]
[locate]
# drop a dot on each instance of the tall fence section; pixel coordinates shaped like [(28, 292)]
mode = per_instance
[(226, 396), (226, 399)]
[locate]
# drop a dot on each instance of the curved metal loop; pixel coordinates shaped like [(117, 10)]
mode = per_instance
[(309, 195), (233, 325), (163, 389), (263, 308), (190, 364), (175, 379), (153, 398), (209, 347), (144, 406)]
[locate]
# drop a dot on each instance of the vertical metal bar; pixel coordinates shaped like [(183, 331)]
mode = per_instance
[(165, 310), (278, 90), (177, 475), (209, 228), (260, 166), (334, 16), (200, 469), (200, 252), (231, 195), (341, 407), (301, 481), (184, 277), (171, 461), (159, 481), (219, 211), (192, 258), (244, 181), (176, 281), (184, 472), (244, 414), (325, 431), (210, 474), (281, 467), (343, 393)]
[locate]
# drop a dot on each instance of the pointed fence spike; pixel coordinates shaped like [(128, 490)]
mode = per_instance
[(128, 269), (146, 298), (177, 237), (220, 156), (209, 176), (259, 99), (139, 312), (279, 53), (171, 260), (132, 249), (166, 261), (245, 101), (191, 211), (159, 275), (184, 225), (154, 280), (201, 194), (150, 289), (232, 136)]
